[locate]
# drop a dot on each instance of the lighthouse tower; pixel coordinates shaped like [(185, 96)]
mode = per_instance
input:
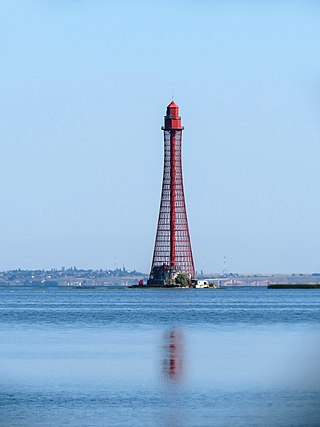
[(172, 250)]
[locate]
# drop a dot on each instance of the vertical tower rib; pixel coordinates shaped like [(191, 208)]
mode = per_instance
[(172, 251), (173, 198)]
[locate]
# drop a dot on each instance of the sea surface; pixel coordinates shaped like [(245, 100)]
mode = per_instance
[(165, 358)]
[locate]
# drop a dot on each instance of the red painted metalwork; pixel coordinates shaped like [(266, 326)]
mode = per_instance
[(172, 249), (173, 194)]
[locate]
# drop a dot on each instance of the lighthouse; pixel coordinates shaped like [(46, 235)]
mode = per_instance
[(172, 255)]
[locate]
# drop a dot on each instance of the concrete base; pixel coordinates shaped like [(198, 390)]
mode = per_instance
[(157, 286)]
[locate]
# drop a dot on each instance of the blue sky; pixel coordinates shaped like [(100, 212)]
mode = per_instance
[(84, 86)]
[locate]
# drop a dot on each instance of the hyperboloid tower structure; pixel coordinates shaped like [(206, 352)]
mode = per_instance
[(172, 250)]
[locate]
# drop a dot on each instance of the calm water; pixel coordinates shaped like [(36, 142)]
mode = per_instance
[(176, 358)]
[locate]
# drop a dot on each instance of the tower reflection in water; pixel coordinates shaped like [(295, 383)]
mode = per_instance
[(172, 364), (172, 372)]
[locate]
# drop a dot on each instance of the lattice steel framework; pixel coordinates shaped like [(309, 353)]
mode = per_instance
[(172, 250)]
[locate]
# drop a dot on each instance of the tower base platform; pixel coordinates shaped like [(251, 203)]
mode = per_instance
[(158, 286)]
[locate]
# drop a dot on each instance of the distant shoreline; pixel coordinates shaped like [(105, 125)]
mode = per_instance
[(120, 277), (294, 286)]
